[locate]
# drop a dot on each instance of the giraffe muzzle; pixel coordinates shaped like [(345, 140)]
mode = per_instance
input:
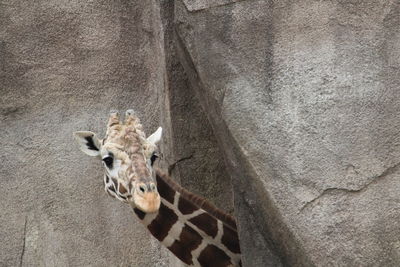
[(146, 197)]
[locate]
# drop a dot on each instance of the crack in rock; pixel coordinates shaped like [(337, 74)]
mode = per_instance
[(21, 258), (194, 6), (388, 171), (173, 165)]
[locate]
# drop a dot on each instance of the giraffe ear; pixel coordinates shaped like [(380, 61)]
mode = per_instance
[(88, 143), (155, 137)]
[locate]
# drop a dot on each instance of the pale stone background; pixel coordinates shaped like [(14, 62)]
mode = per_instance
[(295, 102)]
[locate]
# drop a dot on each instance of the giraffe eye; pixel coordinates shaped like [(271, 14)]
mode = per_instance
[(153, 158), (108, 161)]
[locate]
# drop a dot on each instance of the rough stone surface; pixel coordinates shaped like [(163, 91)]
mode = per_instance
[(63, 66), (196, 161), (191, 154), (196, 5), (303, 98)]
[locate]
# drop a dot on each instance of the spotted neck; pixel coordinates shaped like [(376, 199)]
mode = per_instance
[(194, 230)]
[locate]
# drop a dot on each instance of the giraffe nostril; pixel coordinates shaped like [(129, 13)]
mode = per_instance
[(142, 188), (145, 188), (153, 187)]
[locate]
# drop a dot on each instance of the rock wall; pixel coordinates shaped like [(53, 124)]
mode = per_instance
[(290, 108), (196, 159), (303, 98), (63, 65)]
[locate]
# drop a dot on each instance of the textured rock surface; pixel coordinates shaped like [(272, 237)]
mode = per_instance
[(303, 97), (196, 5), (196, 159), (63, 65)]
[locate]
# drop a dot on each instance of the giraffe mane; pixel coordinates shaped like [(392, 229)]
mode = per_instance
[(199, 201)]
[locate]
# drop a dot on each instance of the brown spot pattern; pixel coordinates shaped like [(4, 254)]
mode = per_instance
[(160, 226), (170, 185), (188, 241), (206, 223), (165, 191), (122, 189), (186, 207), (139, 161), (212, 256), (230, 240), (139, 213)]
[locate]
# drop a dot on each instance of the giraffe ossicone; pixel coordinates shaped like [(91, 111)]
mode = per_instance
[(193, 229)]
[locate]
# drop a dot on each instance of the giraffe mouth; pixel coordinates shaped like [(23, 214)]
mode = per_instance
[(148, 202)]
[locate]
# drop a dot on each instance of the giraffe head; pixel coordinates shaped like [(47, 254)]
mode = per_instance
[(128, 158)]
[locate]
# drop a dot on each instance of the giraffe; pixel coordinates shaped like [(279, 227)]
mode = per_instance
[(192, 228)]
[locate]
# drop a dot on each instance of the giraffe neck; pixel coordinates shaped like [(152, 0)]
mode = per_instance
[(194, 230)]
